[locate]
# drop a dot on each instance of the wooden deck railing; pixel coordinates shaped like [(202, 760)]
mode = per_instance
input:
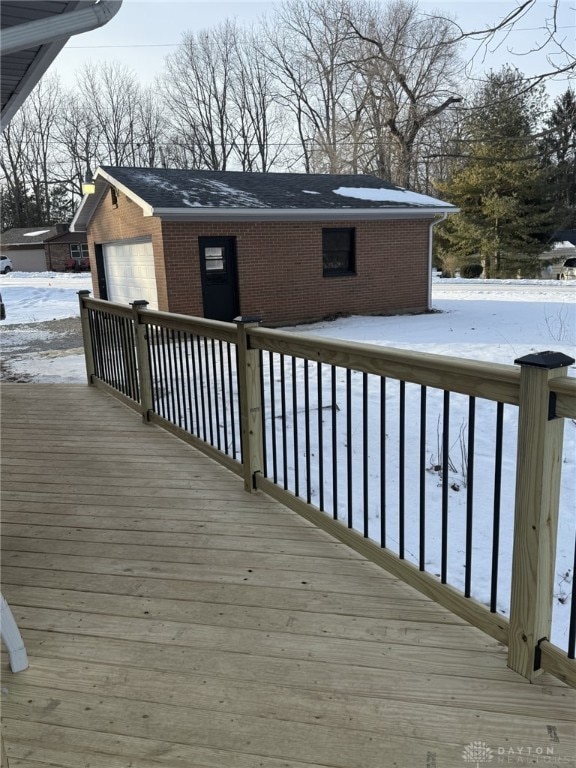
[(349, 435)]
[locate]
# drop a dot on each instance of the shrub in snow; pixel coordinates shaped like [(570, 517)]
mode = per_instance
[(471, 271)]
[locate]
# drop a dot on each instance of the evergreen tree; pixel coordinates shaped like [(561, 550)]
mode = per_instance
[(558, 148), (501, 186)]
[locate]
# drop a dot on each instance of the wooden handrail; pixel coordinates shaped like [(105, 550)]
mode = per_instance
[(469, 377)]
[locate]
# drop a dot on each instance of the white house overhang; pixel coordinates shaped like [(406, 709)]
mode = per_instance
[(31, 37)]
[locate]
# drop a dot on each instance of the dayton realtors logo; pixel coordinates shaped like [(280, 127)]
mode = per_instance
[(477, 753)]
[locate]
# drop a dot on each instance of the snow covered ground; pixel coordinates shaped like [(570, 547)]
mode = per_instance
[(496, 321)]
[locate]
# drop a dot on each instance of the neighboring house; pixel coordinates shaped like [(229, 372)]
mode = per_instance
[(285, 247), (67, 252), (25, 246)]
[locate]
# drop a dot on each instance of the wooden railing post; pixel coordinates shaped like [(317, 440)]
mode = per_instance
[(86, 336), (250, 403), (538, 470), (143, 361)]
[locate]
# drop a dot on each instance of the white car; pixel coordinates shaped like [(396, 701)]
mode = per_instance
[(5, 265), (568, 271)]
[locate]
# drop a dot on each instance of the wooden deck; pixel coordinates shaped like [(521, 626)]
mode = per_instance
[(173, 621)]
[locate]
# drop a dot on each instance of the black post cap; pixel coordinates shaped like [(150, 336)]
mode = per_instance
[(84, 293), (139, 303), (548, 360)]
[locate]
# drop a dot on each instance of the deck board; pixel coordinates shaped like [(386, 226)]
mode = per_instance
[(174, 621)]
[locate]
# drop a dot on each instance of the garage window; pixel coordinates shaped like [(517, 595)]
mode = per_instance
[(338, 252)]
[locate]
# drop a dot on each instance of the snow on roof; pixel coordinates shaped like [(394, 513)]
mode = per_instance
[(383, 195), (35, 234), (308, 192), (563, 244)]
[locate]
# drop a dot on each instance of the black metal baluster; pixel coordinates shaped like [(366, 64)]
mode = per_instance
[(263, 411), (208, 391), (239, 414), (469, 459), (383, 462), (201, 386), (195, 384), (177, 379), (99, 343), (232, 400), (349, 489), (422, 520), (273, 416), (216, 399), (182, 397), (295, 412), (334, 445), (150, 353), (320, 438), (128, 341), (171, 373), (445, 484), (189, 411), (365, 451), (109, 347), (402, 472), (284, 435), (155, 373), (112, 375), (122, 362), (497, 502), (307, 431), (224, 401)]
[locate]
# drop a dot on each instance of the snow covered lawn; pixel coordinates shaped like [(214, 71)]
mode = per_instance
[(495, 321), (32, 297)]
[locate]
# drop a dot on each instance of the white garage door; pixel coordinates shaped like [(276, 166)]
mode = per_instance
[(130, 273)]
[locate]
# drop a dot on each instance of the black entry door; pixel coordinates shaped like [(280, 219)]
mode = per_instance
[(219, 280)]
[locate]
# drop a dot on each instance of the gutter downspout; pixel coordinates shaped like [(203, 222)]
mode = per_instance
[(34, 33), (430, 236)]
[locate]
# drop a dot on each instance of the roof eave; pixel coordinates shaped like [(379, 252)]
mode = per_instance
[(89, 203), (298, 214)]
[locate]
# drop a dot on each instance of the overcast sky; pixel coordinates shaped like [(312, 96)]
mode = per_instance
[(144, 32)]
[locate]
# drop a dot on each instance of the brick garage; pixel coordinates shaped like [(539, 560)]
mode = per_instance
[(326, 254)]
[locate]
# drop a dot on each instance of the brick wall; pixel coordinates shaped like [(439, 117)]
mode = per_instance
[(280, 264), (57, 255), (280, 272), (126, 222)]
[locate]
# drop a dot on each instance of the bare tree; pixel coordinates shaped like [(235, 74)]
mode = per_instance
[(410, 66), (309, 44), (151, 132), (197, 92), (259, 141), (113, 94), (549, 37)]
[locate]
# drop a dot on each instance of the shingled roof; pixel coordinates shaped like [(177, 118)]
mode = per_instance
[(197, 195), (27, 236)]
